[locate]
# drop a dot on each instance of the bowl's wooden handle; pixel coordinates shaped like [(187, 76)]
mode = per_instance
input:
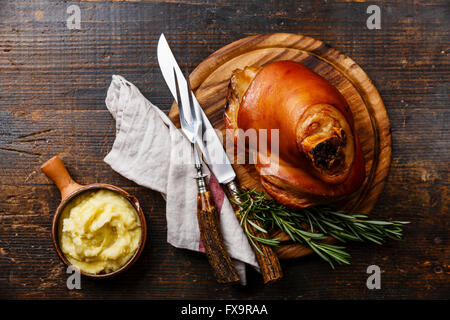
[(57, 172)]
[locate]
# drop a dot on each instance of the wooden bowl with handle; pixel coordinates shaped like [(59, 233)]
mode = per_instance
[(69, 189)]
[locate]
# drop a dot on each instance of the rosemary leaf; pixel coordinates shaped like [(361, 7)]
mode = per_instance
[(312, 225)]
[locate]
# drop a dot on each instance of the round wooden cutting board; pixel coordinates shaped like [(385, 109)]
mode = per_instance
[(210, 80)]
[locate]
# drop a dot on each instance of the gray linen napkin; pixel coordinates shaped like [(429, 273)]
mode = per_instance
[(152, 152)]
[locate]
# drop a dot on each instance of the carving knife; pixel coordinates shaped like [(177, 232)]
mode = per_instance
[(216, 157)]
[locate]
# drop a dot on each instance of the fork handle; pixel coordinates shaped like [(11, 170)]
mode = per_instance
[(208, 221)]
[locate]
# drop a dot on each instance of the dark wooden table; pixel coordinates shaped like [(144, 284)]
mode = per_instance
[(52, 90)]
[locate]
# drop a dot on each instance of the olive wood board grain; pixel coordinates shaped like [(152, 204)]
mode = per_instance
[(210, 79)]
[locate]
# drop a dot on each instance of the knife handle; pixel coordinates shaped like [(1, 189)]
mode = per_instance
[(268, 259), (208, 222)]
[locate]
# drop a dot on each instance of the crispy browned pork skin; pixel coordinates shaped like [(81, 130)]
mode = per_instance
[(319, 157)]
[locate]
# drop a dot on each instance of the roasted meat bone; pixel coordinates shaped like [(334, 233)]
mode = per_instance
[(319, 158)]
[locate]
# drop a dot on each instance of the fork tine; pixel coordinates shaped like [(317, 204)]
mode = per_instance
[(183, 121), (191, 101)]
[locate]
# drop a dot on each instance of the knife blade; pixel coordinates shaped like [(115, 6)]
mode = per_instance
[(213, 152), (217, 160)]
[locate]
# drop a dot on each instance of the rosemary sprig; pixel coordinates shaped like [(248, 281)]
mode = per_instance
[(313, 225)]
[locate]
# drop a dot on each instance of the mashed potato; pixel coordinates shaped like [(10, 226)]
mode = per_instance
[(99, 231)]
